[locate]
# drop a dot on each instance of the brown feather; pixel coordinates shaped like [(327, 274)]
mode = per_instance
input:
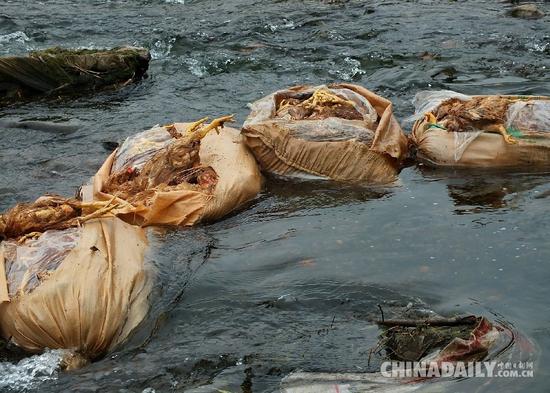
[(476, 113), (50, 212)]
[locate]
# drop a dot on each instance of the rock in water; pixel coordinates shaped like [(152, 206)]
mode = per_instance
[(526, 11), (63, 72)]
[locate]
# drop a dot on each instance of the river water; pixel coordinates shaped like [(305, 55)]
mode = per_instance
[(293, 281)]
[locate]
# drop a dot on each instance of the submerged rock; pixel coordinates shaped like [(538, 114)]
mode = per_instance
[(526, 11), (61, 72)]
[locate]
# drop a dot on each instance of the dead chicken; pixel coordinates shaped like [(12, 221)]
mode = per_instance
[(27, 220), (320, 105), (176, 166), (479, 113)]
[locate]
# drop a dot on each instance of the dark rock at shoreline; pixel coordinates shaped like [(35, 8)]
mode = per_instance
[(526, 11)]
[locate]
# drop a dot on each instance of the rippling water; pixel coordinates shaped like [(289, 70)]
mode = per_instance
[(293, 281)]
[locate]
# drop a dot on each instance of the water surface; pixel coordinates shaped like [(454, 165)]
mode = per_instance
[(293, 281)]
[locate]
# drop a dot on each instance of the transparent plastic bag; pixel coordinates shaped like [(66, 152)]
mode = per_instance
[(526, 119), (261, 110), (533, 116), (362, 105), (138, 149), (27, 264), (462, 141), (331, 129), (427, 100), (84, 289)]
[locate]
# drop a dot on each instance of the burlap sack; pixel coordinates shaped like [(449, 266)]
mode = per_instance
[(529, 116), (84, 289), (368, 150), (239, 180)]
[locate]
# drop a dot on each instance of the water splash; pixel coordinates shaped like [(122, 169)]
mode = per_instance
[(217, 64), (287, 24), (349, 70), (195, 67), (30, 372), (161, 48), (17, 36), (540, 45)]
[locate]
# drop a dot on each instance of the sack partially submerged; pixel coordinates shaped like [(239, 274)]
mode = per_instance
[(469, 339), (68, 71), (73, 275), (341, 131), (84, 289), (481, 131), (455, 339), (190, 188)]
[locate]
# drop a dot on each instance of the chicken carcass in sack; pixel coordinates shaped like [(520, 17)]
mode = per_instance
[(454, 129), (341, 131), (179, 175), (83, 288), (74, 276)]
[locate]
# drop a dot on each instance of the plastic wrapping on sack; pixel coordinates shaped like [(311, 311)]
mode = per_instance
[(427, 101), (529, 116), (26, 264), (238, 179), (526, 120), (84, 289), (461, 142), (360, 143), (137, 149)]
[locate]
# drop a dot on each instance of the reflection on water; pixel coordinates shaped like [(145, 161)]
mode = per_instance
[(487, 190), (299, 195)]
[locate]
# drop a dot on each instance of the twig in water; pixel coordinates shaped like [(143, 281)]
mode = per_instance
[(381, 312)]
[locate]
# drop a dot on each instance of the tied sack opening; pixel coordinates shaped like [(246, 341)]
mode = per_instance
[(157, 179), (340, 131)]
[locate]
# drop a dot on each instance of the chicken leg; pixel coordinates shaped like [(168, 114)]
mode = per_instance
[(214, 125), (430, 118), (323, 96), (500, 129)]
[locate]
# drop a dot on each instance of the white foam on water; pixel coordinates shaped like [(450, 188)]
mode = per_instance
[(539, 46), (196, 67), (31, 371), (161, 48), (349, 70), (17, 36), (287, 24)]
